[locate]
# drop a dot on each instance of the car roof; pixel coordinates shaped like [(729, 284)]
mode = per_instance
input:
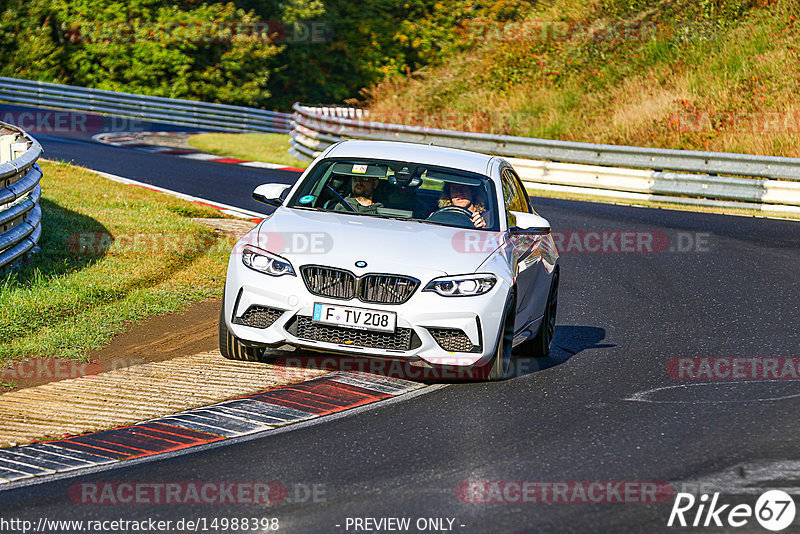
[(413, 153)]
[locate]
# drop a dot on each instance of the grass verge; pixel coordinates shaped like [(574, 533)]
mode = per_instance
[(271, 148), (110, 254)]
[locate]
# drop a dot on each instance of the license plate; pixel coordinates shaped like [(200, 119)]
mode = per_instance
[(360, 318)]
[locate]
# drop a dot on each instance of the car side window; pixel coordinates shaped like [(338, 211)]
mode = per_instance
[(515, 198), (526, 200)]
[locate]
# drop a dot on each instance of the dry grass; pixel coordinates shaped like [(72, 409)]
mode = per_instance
[(731, 89)]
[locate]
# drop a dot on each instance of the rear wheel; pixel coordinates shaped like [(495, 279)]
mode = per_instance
[(500, 366), (231, 347)]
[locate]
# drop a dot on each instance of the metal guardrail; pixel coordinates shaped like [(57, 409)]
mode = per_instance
[(620, 184), (169, 110), (20, 213), (610, 171)]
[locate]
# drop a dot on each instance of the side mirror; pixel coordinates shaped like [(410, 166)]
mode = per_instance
[(271, 194), (529, 223)]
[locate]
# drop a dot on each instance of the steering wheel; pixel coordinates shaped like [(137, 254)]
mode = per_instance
[(452, 215), (339, 200)]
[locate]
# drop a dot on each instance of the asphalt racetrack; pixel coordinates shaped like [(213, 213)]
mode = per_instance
[(667, 321)]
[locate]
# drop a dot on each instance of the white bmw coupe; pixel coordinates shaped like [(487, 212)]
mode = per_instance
[(398, 251)]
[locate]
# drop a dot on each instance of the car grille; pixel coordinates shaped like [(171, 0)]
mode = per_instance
[(374, 288), (328, 282), (259, 317), (453, 340), (386, 288), (401, 339)]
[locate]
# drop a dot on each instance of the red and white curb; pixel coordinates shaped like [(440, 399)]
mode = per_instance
[(132, 140), (252, 414)]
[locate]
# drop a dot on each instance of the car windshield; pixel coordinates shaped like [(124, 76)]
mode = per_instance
[(400, 190)]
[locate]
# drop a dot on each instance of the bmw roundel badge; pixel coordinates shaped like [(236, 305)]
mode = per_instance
[(361, 263)]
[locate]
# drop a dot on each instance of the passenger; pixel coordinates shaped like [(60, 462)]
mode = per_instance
[(361, 198), (467, 197)]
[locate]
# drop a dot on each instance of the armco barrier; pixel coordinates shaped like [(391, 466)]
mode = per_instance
[(154, 108), (608, 171), (20, 213)]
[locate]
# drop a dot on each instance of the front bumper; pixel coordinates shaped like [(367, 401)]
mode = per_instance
[(285, 307)]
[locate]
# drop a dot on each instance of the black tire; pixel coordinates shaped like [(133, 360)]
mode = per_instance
[(232, 347), (542, 343), (501, 365)]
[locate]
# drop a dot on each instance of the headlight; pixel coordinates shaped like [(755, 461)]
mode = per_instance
[(462, 286), (266, 262)]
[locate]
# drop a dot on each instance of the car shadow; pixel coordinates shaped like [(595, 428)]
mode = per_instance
[(569, 341)]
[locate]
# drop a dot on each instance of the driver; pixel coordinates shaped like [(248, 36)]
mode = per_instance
[(464, 196), (363, 189)]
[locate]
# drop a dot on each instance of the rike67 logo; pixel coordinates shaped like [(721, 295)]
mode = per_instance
[(774, 510)]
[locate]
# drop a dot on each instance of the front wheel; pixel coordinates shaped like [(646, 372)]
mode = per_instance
[(500, 366), (231, 347), (542, 343)]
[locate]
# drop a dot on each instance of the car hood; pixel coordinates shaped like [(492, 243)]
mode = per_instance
[(386, 245)]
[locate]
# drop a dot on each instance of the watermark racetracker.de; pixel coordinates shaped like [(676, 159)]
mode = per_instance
[(198, 31), (593, 241), (734, 368), (98, 243), (564, 492), (42, 121), (204, 492), (532, 31), (60, 369)]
